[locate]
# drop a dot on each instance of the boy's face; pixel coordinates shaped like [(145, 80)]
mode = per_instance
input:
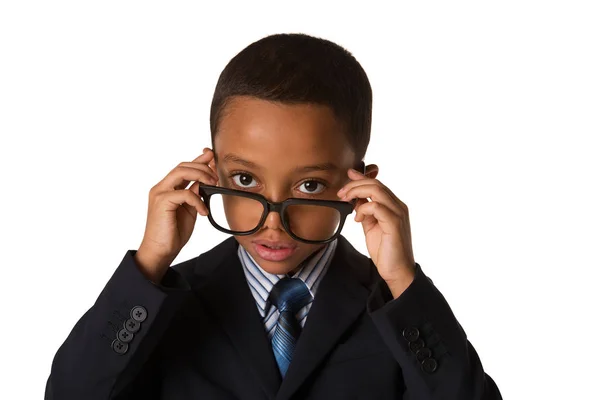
[(269, 148)]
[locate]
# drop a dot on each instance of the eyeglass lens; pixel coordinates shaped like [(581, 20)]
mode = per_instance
[(243, 214)]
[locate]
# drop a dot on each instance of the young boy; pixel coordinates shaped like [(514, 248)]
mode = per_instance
[(285, 308)]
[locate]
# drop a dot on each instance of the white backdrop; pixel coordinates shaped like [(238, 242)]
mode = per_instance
[(485, 123)]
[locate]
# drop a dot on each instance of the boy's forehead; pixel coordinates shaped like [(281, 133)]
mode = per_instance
[(270, 133)]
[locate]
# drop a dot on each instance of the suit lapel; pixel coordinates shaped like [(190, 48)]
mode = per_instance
[(223, 287), (340, 299)]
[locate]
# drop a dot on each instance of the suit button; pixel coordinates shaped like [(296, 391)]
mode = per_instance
[(125, 336), (139, 314), (119, 347), (423, 353), (429, 365), (411, 334), (416, 345), (132, 325)]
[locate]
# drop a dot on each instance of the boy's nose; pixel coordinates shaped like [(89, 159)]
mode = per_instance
[(273, 221)]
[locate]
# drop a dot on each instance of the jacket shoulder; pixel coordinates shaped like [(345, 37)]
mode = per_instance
[(207, 261)]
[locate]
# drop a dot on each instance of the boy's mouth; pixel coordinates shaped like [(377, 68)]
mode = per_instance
[(274, 247), (274, 251), (272, 244)]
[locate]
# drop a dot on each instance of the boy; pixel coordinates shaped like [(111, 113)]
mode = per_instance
[(286, 308)]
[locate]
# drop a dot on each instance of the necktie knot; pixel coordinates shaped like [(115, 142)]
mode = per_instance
[(290, 294)]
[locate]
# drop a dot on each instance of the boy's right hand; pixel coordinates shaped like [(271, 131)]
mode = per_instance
[(172, 212)]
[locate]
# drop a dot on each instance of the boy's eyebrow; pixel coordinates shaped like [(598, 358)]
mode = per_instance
[(317, 167), (237, 159), (309, 168)]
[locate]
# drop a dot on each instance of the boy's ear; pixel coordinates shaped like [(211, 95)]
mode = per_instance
[(361, 168), (211, 163), (371, 171)]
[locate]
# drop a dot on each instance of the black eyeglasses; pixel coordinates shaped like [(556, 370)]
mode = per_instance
[(238, 212)]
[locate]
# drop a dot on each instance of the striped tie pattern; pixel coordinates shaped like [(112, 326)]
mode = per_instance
[(289, 295)]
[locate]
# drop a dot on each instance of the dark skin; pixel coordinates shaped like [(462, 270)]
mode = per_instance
[(280, 151), (277, 139)]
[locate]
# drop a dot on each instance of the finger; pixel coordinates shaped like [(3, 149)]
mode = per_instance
[(386, 218), (353, 184), (356, 178), (173, 199), (375, 193), (359, 202), (191, 209), (195, 188), (181, 176), (200, 166), (206, 155), (344, 191)]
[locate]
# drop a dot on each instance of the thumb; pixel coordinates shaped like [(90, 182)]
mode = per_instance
[(360, 202), (195, 188)]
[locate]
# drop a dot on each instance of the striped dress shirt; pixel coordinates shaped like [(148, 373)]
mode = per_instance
[(261, 282)]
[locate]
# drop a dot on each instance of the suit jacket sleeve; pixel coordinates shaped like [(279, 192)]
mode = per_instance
[(100, 359), (437, 360)]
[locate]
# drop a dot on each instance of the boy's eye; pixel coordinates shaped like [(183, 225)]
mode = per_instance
[(244, 180), (312, 187)]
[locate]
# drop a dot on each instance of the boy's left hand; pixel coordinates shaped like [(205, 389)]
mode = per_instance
[(386, 226)]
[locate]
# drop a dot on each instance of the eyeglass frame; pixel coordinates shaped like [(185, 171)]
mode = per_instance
[(343, 207)]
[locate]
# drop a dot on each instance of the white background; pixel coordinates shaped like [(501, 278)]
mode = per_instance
[(485, 123)]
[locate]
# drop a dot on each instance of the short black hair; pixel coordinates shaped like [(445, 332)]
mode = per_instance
[(295, 68)]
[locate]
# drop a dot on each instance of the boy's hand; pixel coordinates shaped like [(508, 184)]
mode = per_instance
[(387, 229), (172, 212)]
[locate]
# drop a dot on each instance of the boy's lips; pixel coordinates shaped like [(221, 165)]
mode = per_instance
[(275, 243), (274, 250)]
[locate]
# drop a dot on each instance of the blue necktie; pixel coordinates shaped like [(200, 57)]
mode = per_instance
[(289, 295)]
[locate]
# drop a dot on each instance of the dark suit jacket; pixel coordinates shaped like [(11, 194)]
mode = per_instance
[(203, 338)]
